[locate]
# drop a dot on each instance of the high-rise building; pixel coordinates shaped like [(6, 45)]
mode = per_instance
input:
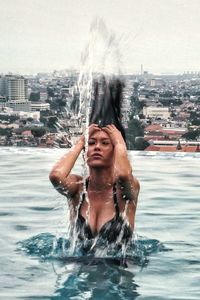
[(15, 89), (156, 82)]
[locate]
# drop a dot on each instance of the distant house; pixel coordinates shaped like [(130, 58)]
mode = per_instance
[(27, 133), (175, 133), (153, 127), (157, 132), (174, 148), (156, 112), (36, 123)]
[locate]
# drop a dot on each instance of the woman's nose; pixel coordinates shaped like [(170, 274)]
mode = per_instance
[(97, 145)]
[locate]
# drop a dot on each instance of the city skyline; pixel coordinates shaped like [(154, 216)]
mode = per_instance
[(42, 36)]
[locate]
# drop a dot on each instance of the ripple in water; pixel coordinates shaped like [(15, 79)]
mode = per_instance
[(47, 246)]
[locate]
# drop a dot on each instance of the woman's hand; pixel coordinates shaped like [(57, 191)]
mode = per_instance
[(115, 135), (91, 129), (122, 167)]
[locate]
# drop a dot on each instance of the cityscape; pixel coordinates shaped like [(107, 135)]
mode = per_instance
[(159, 113)]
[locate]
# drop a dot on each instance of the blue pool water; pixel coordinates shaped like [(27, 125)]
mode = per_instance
[(36, 261)]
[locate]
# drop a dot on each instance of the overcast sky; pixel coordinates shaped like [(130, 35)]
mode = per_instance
[(43, 35)]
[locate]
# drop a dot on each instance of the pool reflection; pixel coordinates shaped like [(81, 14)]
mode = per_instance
[(100, 279)]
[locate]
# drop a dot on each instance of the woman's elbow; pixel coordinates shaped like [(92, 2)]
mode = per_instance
[(55, 178), (125, 175)]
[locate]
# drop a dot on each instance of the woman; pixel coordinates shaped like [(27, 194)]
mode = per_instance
[(107, 210)]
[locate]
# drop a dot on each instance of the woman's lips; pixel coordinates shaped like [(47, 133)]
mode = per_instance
[(96, 155)]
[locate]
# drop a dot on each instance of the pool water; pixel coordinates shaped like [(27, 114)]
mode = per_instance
[(37, 261)]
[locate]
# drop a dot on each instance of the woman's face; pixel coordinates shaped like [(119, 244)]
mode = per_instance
[(100, 150)]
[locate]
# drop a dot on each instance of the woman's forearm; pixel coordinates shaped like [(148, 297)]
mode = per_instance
[(122, 165), (128, 184), (64, 166)]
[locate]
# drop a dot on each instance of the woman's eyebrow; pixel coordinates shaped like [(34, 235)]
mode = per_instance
[(102, 139)]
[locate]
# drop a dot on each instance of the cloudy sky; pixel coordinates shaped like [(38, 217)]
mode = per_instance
[(43, 35)]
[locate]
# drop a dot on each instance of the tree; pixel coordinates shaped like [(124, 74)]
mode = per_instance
[(191, 134), (6, 132), (30, 119), (50, 91), (141, 144), (167, 94), (61, 102), (52, 121), (134, 130), (8, 118), (38, 131), (196, 121), (34, 96), (186, 95)]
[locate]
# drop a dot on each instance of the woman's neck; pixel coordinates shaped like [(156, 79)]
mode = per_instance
[(101, 178)]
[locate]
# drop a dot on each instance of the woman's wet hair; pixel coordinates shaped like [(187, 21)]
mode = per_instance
[(107, 102)]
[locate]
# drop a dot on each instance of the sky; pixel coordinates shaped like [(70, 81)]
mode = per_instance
[(45, 35)]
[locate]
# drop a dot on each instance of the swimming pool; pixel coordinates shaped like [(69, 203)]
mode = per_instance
[(32, 214)]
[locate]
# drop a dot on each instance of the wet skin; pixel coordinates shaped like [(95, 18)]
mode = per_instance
[(100, 150), (108, 164)]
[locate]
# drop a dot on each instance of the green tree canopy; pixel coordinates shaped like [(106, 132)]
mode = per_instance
[(52, 121), (38, 131), (8, 118), (191, 134), (34, 96), (6, 132), (134, 130)]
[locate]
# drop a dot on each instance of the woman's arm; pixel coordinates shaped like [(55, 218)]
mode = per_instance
[(128, 184), (60, 175)]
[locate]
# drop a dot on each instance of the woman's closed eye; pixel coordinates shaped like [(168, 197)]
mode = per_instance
[(91, 142), (106, 142)]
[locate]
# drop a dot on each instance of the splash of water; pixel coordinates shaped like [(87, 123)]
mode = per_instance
[(43, 246), (100, 56)]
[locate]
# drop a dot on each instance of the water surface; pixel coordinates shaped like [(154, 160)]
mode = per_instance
[(34, 218)]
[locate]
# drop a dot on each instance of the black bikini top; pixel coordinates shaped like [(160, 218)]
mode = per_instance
[(111, 231)]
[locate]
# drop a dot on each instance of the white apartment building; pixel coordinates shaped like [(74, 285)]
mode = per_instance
[(156, 112), (19, 105), (15, 90), (156, 82), (40, 106)]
